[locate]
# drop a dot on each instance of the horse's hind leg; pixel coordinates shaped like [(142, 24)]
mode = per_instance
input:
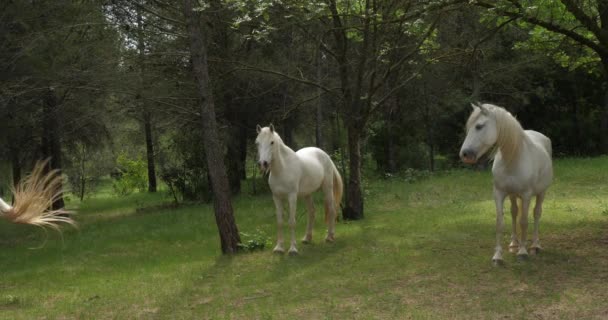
[(293, 201), (279, 206), (538, 210), (310, 206), (514, 245), (522, 253), (330, 211)]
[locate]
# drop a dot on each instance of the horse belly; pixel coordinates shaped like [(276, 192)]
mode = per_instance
[(512, 185), (313, 171), (311, 183)]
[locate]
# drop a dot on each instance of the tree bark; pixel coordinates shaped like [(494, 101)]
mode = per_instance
[(16, 167), (83, 173), (354, 198), (287, 134), (243, 151), (428, 126), (51, 143), (233, 158), (150, 152), (146, 116), (229, 234), (604, 114), (319, 113)]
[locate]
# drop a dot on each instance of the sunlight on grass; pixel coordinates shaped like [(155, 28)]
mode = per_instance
[(422, 252)]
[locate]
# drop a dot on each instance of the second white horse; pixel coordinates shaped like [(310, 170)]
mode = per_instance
[(298, 174)]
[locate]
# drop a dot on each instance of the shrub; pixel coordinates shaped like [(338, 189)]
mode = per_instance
[(133, 176), (254, 241)]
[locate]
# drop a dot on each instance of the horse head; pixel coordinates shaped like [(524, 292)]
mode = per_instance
[(266, 141), (482, 134)]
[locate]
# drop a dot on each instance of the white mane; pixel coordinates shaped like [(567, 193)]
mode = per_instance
[(510, 131)]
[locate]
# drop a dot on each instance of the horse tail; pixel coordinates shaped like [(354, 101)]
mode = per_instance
[(34, 197), (338, 190)]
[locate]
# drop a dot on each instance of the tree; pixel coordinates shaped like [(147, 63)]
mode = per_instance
[(224, 217), (51, 53), (366, 36), (583, 22)]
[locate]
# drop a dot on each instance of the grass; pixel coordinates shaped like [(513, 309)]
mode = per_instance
[(423, 252)]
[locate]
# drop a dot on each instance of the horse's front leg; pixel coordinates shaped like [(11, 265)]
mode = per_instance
[(499, 199), (293, 201), (523, 224), (514, 245), (279, 206), (538, 210)]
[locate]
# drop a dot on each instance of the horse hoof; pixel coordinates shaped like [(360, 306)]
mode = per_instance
[(278, 250), (535, 251), (522, 257), (498, 262), (307, 240), (293, 252), (330, 239), (513, 249)]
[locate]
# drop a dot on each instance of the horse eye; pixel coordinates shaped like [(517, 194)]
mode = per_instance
[(479, 127), (271, 142)]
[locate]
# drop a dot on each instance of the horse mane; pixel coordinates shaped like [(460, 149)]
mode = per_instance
[(510, 132)]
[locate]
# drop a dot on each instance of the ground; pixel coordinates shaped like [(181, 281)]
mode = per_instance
[(423, 251)]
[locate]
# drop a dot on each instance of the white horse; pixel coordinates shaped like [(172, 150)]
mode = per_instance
[(298, 174), (522, 169)]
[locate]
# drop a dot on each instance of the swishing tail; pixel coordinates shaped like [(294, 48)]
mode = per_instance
[(33, 198), (338, 190)]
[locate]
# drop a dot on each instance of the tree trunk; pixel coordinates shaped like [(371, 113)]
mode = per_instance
[(354, 198), (51, 143), (150, 152), (287, 135), (319, 113), (229, 234), (428, 126), (243, 151), (16, 166), (83, 173), (146, 116), (391, 164), (233, 158)]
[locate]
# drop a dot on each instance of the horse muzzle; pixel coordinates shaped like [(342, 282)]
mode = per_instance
[(264, 166), (468, 156)]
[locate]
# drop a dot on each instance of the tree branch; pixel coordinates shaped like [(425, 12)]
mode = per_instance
[(601, 50)]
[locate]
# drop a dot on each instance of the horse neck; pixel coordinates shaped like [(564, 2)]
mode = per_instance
[(279, 158), (511, 136)]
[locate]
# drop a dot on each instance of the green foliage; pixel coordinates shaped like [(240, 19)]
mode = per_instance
[(9, 300), (258, 240), (184, 167), (563, 50), (132, 175)]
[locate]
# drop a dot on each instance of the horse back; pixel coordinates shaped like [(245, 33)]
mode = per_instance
[(541, 140)]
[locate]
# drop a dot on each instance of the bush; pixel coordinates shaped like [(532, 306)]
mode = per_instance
[(254, 241), (133, 176), (183, 168)]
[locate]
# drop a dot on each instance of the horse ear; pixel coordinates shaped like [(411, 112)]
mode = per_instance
[(484, 110), (258, 128), (474, 106), (271, 128)]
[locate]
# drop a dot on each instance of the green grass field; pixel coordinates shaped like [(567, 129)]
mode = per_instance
[(423, 252)]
